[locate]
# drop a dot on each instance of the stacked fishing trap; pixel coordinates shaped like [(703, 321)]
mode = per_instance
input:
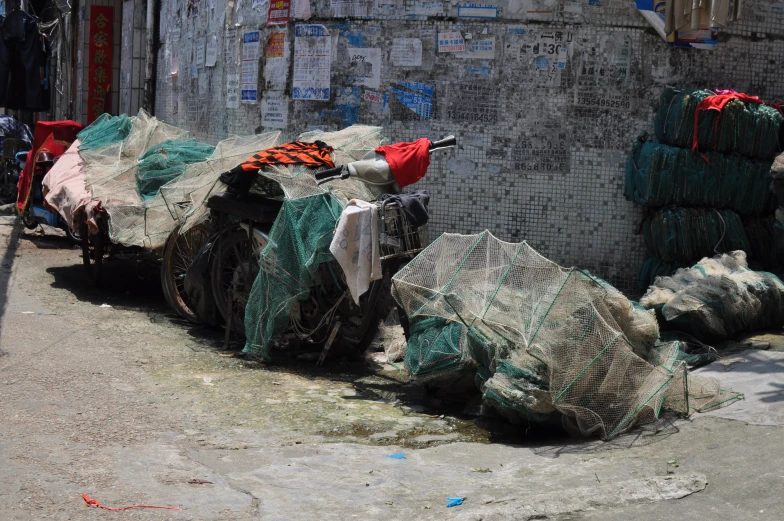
[(707, 183), (542, 342)]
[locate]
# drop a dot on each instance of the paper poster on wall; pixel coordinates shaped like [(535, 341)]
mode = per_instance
[(406, 52), (540, 55), (211, 57), (451, 42), (232, 91), (279, 11), (276, 65), (365, 66), (274, 110), (230, 52), (201, 45), (351, 8), (175, 33), (312, 57), (302, 9), (480, 49), (249, 80), (477, 11)]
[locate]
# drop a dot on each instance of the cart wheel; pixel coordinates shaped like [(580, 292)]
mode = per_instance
[(92, 253), (28, 220), (178, 254), (74, 237)]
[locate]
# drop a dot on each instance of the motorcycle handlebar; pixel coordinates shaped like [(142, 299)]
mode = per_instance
[(332, 172), (448, 141)]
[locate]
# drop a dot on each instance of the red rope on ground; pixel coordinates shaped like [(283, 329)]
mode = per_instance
[(95, 503)]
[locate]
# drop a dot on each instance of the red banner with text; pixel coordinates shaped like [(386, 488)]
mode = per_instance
[(99, 65)]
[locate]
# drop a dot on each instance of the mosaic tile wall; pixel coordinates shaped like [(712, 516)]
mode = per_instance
[(541, 152)]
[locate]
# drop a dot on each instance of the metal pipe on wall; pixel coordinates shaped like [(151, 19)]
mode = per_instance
[(149, 58)]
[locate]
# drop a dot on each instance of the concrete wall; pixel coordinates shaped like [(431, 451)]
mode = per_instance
[(541, 151)]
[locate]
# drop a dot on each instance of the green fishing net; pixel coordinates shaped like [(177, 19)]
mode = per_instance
[(748, 129), (167, 161), (105, 130), (660, 175)]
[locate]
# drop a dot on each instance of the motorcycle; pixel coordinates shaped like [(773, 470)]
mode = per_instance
[(327, 316), (34, 212)]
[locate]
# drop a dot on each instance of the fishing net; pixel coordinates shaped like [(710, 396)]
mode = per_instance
[(155, 179), (300, 237), (545, 339), (654, 267), (718, 297), (688, 234), (748, 129), (104, 131), (660, 175), (167, 161)]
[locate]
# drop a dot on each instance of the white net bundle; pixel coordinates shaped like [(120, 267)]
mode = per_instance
[(543, 340)]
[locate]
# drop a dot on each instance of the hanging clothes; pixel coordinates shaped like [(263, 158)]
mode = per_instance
[(240, 178), (22, 61), (355, 246)]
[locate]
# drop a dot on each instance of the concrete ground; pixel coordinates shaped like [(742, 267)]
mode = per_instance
[(105, 392)]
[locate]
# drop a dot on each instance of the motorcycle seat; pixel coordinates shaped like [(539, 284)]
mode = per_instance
[(258, 209)]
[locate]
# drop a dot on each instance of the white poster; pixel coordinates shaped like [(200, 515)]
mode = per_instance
[(312, 56), (302, 9), (212, 51), (232, 91), (230, 52), (451, 42), (276, 64), (365, 66), (482, 49), (351, 8), (249, 80), (406, 52), (175, 33), (201, 44), (274, 110)]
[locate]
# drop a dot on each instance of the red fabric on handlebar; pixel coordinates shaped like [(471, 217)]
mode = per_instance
[(408, 161)]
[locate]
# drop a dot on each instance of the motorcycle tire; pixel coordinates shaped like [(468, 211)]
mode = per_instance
[(28, 219), (73, 237), (92, 253), (231, 254), (178, 254)]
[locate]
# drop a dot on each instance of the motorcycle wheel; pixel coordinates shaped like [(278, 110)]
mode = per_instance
[(28, 219), (92, 253), (7, 191), (74, 238), (178, 254), (233, 272)]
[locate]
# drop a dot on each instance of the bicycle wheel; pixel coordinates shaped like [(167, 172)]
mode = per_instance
[(232, 274), (92, 253), (178, 254)]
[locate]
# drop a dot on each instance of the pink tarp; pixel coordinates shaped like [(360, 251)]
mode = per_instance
[(65, 190)]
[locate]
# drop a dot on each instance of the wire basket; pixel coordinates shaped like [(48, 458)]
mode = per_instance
[(398, 236)]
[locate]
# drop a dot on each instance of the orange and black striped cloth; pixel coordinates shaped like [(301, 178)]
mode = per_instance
[(240, 178)]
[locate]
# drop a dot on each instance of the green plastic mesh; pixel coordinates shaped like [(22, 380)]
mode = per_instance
[(660, 175), (300, 237), (748, 129), (298, 244), (546, 340), (436, 347), (688, 234), (718, 297), (105, 130), (167, 161)]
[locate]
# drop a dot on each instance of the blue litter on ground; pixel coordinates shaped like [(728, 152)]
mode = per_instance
[(454, 501), (397, 456)]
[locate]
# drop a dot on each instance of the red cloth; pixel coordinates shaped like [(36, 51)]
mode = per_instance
[(63, 131), (717, 102), (408, 161)]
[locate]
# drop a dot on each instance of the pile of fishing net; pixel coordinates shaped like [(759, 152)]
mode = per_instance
[(151, 179), (687, 234), (741, 127), (298, 247), (539, 340), (167, 161), (660, 175), (718, 297)]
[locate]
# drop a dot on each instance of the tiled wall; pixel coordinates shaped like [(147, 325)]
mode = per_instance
[(541, 156), (134, 18)]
